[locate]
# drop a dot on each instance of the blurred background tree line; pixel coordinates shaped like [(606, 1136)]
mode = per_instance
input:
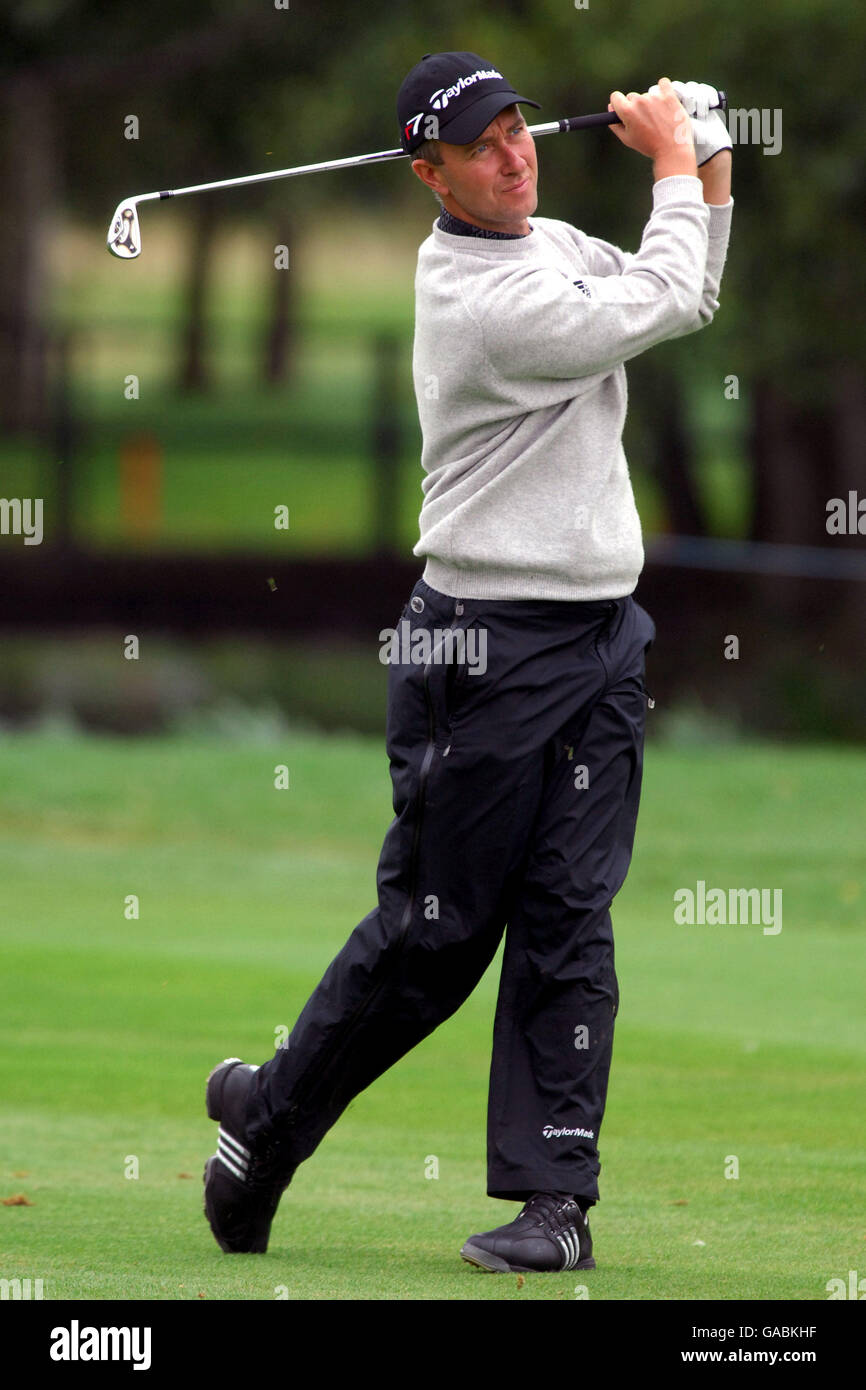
[(237, 86)]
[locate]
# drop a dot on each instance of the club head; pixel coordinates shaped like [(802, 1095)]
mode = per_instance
[(124, 234)]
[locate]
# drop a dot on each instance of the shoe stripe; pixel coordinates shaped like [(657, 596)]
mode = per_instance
[(232, 1144), (231, 1158), (570, 1246), (231, 1165), (566, 1253), (231, 1155)]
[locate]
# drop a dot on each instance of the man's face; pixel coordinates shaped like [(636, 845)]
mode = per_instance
[(493, 182)]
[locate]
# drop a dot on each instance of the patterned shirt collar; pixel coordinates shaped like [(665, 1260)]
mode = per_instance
[(457, 227)]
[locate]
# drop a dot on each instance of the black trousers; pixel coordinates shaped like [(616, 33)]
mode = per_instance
[(516, 793)]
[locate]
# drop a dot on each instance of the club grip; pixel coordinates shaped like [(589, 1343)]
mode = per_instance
[(611, 118)]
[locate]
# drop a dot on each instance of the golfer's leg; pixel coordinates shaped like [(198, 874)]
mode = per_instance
[(553, 1034), (442, 877)]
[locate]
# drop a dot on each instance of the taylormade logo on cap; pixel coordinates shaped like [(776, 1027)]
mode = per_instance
[(441, 97), (452, 97)]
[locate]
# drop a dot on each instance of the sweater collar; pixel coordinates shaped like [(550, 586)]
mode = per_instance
[(457, 227)]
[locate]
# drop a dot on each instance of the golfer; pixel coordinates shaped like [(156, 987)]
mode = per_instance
[(516, 696)]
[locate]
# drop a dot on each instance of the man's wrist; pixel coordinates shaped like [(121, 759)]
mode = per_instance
[(672, 162), (715, 176)]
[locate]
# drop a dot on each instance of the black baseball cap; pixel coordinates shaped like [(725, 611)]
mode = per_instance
[(452, 97)]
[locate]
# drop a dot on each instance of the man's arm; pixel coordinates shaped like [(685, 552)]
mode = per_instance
[(715, 176), (538, 324), (603, 258)]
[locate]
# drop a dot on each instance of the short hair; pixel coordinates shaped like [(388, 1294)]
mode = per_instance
[(431, 152)]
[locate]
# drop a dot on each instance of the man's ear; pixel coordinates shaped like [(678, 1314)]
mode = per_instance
[(430, 174)]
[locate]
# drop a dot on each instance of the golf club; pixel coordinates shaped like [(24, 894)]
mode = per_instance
[(124, 233)]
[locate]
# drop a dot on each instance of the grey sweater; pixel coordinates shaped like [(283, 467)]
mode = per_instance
[(521, 390)]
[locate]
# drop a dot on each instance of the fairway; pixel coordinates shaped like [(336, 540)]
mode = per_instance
[(736, 1048)]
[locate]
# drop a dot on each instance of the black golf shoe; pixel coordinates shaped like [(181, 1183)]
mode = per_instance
[(551, 1233), (242, 1183)]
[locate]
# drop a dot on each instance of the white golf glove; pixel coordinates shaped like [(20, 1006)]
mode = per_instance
[(709, 131)]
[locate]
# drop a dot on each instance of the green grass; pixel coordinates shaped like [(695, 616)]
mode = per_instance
[(729, 1042)]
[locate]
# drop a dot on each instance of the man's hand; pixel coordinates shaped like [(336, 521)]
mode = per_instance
[(709, 131), (656, 125)]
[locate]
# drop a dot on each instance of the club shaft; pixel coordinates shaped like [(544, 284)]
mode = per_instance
[(350, 163), (569, 123)]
